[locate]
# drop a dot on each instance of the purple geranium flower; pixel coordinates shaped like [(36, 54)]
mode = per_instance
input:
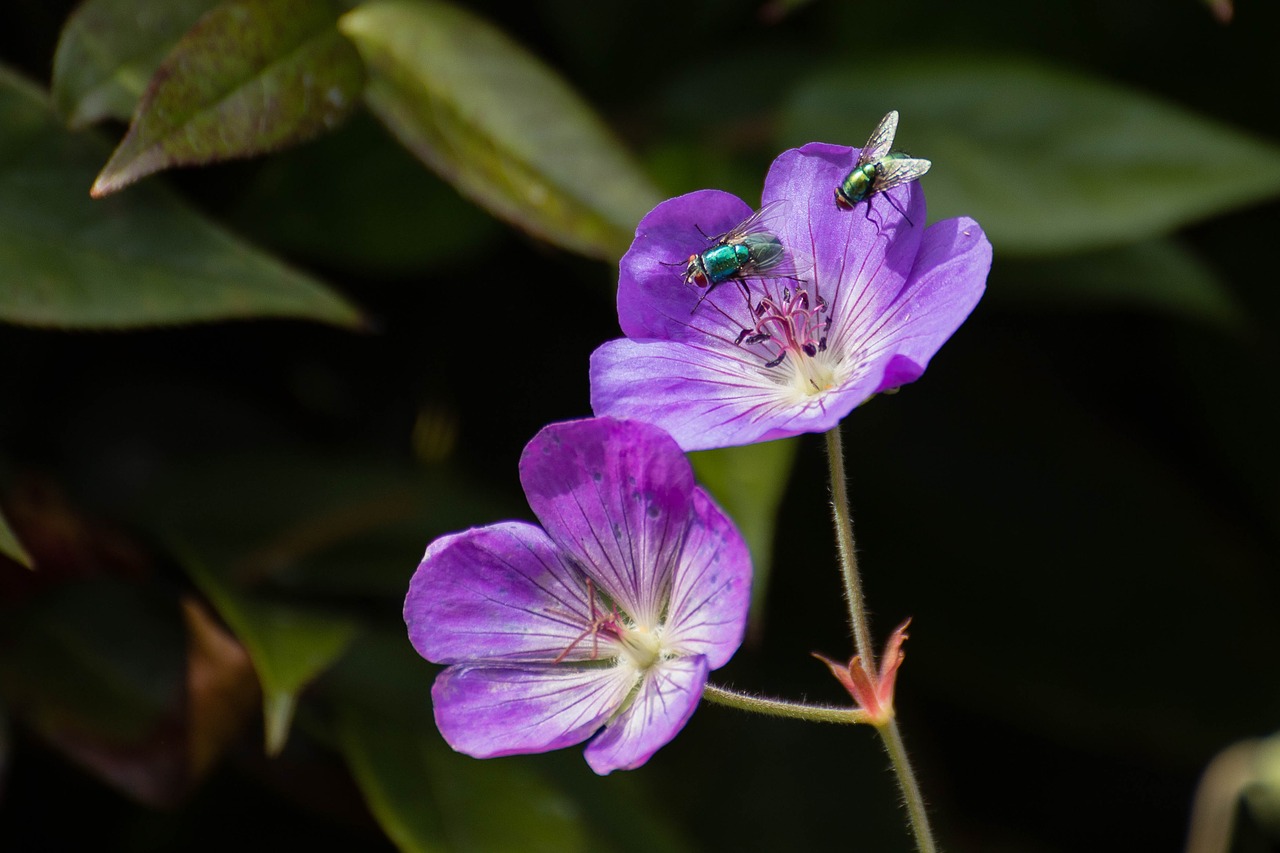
[(884, 293), (609, 616)]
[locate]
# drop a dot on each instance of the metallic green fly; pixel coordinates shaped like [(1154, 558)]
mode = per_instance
[(752, 249), (879, 169)]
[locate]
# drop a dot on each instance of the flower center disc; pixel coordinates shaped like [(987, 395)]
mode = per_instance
[(642, 646)]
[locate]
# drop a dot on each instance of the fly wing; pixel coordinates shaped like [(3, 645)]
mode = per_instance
[(763, 222), (899, 171), (881, 139), (771, 259)]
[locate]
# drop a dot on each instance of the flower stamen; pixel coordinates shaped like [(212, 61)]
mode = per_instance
[(609, 622), (794, 325)]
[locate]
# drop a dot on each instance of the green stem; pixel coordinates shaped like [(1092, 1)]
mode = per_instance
[(916, 814), (848, 555), (917, 817), (783, 708)]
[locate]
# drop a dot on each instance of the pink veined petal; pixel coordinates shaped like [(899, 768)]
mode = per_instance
[(703, 397), (665, 701), (712, 590), (948, 280), (487, 711), (500, 592), (653, 299), (615, 497), (862, 257)]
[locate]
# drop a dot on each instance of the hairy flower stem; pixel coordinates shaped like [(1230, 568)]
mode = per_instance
[(848, 554), (916, 814), (783, 708), (917, 817)]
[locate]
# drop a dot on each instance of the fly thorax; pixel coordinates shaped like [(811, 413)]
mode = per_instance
[(858, 184), (723, 261)]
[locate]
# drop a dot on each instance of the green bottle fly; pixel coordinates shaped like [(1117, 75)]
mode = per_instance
[(879, 169), (752, 249)]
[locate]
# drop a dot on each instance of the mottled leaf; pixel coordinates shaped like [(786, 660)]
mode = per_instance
[(252, 76), (108, 51), (11, 547), (1047, 160), (143, 259), (289, 644), (1158, 274), (749, 482), (498, 124)]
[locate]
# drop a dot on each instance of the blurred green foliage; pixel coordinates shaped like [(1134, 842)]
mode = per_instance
[(1077, 504)]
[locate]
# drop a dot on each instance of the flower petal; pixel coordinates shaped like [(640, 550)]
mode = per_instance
[(949, 278), (499, 592), (712, 590), (487, 711), (615, 496), (666, 700), (704, 398), (862, 257), (653, 299)]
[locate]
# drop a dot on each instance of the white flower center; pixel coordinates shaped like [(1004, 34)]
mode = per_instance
[(641, 646), (808, 376)]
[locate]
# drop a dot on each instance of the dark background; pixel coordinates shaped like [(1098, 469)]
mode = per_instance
[(1077, 503)]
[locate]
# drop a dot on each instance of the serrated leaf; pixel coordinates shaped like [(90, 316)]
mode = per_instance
[(108, 51), (748, 482), (144, 259), (289, 644), (427, 797), (11, 547), (498, 124), (252, 76), (1159, 274), (1048, 160)]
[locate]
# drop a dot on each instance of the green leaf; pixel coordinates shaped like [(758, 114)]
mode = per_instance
[(498, 124), (141, 260), (11, 547), (748, 482), (108, 51), (1049, 161), (427, 797), (289, 644), (252, 76), (1159, 274)]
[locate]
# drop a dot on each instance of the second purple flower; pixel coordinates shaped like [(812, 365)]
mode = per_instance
[(601, 624), (883, 295)]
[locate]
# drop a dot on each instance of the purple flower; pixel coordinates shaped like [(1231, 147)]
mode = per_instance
[(608, 617), (884, 293)]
